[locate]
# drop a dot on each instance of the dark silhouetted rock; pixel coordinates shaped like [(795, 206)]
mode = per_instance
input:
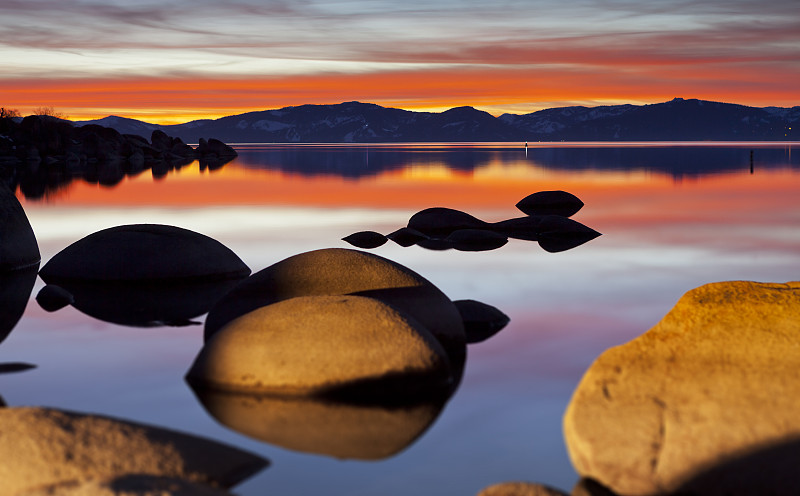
[(12, 367), (366, 239), (46, 447), (550, 203), (407, 237), (524, 228), (312, 345), (481, 321), (475, 240), (144, 252), (160, 141), (337, 271), (53, 297), (558, 233), (18, 247), (15, 291), (704, 403), (312, 425), (440, 221)]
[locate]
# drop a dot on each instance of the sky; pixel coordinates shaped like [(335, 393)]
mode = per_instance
[(175, 61)]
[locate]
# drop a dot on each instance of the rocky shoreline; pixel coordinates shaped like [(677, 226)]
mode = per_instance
[(39, 153)]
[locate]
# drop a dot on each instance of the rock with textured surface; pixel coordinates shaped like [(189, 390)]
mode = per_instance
[(130, 485), (46, 447), (323, 345), (18, 247), (520, 489), (338, 271), (705, 401)]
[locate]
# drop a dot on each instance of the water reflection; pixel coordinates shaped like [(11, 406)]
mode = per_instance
[(677, 160), (320, 426)]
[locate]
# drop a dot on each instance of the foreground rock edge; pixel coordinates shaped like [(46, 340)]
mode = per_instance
[(710, 385)]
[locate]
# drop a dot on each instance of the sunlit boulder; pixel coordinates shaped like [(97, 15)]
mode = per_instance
[(706, 402), (321, 426), (144, 252), (18, 247), (129, 485), (337, 271), (332, 346), (520, 488), (44, 447)]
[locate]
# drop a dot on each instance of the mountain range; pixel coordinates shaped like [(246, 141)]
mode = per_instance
[(356, 122)]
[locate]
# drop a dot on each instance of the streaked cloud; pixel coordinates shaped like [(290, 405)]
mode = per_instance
[(693, 46)]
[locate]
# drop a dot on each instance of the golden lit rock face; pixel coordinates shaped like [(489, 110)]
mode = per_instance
[(43, 447), (707, 400), (337, 271), (316, 344), (313, 425)]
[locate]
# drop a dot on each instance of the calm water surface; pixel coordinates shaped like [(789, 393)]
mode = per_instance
[(672, 217)]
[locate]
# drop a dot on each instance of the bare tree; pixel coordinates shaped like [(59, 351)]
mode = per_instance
[(49, 111), (9, 113)]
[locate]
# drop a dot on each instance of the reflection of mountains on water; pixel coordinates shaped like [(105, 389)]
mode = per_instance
[(362, 160)]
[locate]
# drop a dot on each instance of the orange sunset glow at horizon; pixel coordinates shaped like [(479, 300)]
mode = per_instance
[(169, 64)]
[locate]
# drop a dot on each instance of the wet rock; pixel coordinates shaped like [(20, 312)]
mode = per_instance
[(18, 247), (366, 239), (144, 252), (337, 271), (481, 321), (705, 402), (47, 447), (550, 203), (321, 426), (520, 489), (313, 345)]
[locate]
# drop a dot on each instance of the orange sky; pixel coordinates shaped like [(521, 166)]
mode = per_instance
[(177, 61)]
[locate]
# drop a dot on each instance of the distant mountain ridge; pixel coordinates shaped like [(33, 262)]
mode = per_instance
[(356, 122)]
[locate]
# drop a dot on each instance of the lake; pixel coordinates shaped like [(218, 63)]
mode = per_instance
[(672, 216)]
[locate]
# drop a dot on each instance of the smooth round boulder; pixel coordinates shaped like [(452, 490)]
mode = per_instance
[(144, 252), (323, 345), (339, 271), (706, 402), (16, 287), (128, 485), (519, 488), (47, 447), (18, 247)]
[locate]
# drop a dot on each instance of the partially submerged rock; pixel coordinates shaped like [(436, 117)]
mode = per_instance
[(18, 247), (706, 402), (337, 271), (481, 321), (323, 345), (44, 447), (144, 252)]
